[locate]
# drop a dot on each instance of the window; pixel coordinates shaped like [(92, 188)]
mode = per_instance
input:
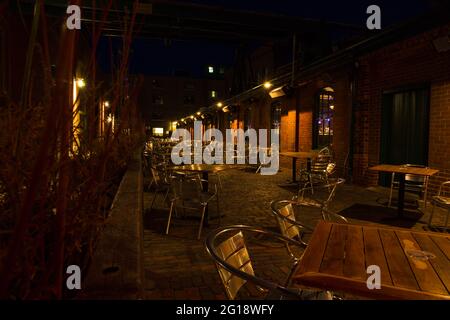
[(210, 69), (158, 132), (213, 94), (189, 99), (323, 119), (276, 116), (158, 100)]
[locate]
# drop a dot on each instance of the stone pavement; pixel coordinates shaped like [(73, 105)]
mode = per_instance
[(177, 265)]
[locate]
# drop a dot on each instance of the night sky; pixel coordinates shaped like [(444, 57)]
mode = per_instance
[(159, 57)]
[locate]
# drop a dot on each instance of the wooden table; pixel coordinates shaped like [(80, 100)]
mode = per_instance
[(338, 255), (309, 155), (204, 169), (403, 170)]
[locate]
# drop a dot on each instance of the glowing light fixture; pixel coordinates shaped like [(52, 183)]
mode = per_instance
[(199, 113), (81, 83), (106, 104), (332, 107), (267, 85), (219, 104)]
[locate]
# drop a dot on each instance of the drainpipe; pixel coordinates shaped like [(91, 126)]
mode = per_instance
[(353, 84), (297, 108)]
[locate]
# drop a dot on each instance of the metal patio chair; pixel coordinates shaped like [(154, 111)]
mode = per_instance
[(160, 179), (442, 200), (321, 197), (413, 184), (186, 193), (235, 267)]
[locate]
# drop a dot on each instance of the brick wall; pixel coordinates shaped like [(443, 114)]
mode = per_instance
[(413, 61)]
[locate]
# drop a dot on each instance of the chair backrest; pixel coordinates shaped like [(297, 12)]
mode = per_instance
[(186, 187), (412, 178), (234, 252), (324, 193), (286, 214), (319, 166), (159, 175)]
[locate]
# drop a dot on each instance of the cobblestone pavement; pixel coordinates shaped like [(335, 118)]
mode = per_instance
[(177, 265)]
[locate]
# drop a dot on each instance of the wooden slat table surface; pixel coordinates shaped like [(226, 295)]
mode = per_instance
[(338, 255), (404, 169), (300, 154)]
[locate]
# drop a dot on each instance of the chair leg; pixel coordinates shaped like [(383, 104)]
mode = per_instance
[(149, 187), (170, 217), (165, 195), (154, 198), (391, 191), (218, 208), (431, 215), (201, 222), (311, 183)]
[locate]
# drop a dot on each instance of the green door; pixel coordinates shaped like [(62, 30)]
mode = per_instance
[(404, 129)]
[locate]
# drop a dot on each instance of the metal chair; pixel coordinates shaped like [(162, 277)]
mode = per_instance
[(284, 212), (186, 192), (161, 180), (265, 155), (441, 200), (289, 227), (320, 171), (235, 267), (413, 183), (321, 199)]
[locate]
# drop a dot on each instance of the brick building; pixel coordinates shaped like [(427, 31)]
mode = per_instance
[(372, 101), (167, 98)]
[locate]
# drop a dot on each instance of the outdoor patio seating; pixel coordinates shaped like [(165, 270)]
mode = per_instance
[(321, 197), (442, 200), (186, 192), (413, 184), (235, 267)]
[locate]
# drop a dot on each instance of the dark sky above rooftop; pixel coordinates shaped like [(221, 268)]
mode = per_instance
[(157, 56)]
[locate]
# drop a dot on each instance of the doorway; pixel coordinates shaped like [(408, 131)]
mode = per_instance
[(404, 128)]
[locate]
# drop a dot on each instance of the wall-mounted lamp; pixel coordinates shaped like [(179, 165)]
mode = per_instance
[(81, 83)]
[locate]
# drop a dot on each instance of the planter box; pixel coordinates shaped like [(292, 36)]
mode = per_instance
[(116, 270)]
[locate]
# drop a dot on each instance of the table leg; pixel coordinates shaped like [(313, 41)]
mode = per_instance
[(294, 170), (308, 164), (401, 195)]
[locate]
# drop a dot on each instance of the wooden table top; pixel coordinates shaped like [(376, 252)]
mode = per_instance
[(338, 254), (403, 169), (300, 154), (203, 167)]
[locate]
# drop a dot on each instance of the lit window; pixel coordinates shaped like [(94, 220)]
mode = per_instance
[(323, 125), (158, 131), (213, 94), (211, 69)]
